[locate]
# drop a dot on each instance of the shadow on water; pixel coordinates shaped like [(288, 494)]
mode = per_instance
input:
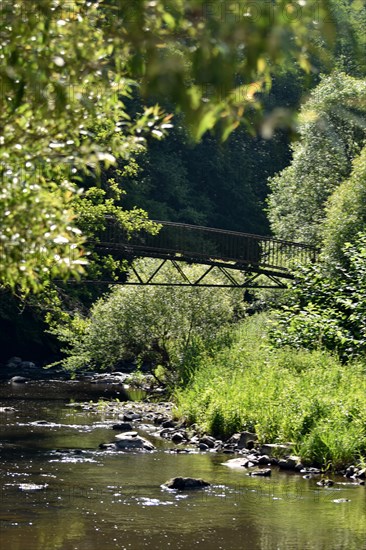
[(65, 390), (59, 491)]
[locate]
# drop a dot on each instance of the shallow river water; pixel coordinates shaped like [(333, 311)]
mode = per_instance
[(107, 500)]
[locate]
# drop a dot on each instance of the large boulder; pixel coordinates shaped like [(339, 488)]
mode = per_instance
[(184, 483), (132, 441)]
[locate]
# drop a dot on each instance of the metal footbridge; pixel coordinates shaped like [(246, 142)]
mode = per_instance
[(244, 260)]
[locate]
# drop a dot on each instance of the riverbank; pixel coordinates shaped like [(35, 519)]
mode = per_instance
[(307, 404), (142, 414), (54, 472), (307, 398), (159, 419)]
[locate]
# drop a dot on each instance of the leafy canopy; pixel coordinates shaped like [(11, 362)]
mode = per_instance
[(69, 66), (345, 213), (328, 309), (332, 133)]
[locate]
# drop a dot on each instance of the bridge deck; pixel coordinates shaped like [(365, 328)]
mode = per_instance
[(209, 246)]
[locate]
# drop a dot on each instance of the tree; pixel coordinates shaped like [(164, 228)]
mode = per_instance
[(332, 132), (75, 68), (328, 309), (346, 213)]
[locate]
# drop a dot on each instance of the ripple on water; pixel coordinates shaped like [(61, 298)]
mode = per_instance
[(146, 501), (72, 456)]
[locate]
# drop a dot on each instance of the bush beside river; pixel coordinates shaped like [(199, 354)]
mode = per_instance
[(308, 398)]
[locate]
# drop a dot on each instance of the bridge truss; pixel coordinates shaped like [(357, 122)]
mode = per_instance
[(243, 260)]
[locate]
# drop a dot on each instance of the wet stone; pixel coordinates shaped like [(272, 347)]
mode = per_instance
[(19, 380), (264, 460), (325, 483), (169, 424), (265, 472), (311, 471), (132, 441), (7, 409), (32, 487), (186, 483), (290, 463), (122, 427), (208, 440), (177, 437)]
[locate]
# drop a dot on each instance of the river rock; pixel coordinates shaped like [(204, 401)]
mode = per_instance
[(31, 487), (264, 472), (122, 427), (264, 460), (130, 417), (310, 471), (169, 424), (7, 409), (177, 438), (241, 440), (133, 441), (290, 463), (13, 362), (208, 440), (239, 463), (184, 483), (108, 446), (27, 365), (18, 380), (325, 483), (160, 419)]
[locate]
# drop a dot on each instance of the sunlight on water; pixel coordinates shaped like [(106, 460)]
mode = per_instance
[(59, 491)]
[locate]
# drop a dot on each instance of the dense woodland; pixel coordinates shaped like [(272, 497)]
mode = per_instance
[(172, 111)]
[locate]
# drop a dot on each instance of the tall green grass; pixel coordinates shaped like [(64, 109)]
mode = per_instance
[(305, 397)]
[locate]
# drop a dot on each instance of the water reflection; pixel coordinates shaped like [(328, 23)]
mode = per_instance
[(96, 499)]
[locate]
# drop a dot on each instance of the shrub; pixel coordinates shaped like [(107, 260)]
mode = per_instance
[(161, 325), (328, 308), (305, 397)]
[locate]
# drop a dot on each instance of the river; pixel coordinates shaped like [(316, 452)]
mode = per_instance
[(93, 499)]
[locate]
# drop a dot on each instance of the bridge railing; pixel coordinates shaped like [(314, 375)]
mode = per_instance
[(190, 242)]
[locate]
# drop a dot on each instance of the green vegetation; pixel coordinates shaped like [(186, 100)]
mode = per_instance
[(185, 111), (305, 397), (326, 308), (77, 68), (164, 326), (332, 134), (346, 213)]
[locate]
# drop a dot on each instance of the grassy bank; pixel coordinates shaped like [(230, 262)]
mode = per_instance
[(308, 398)]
